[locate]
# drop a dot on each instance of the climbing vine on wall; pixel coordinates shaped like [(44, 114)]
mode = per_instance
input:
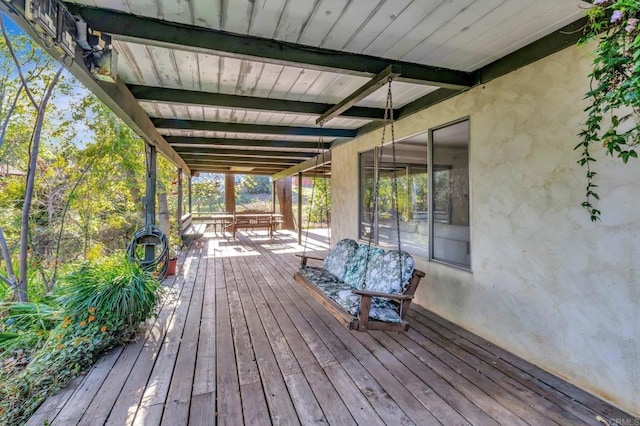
[(614, 95)]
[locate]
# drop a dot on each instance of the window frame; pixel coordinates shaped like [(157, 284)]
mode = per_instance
[(375, 235), (430, 166)]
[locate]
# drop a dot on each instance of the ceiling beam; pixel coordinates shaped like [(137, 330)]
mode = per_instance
[(217, 169), (220, 100), (217, 126), (138, 29), (252, 152), (115, 96), (388, 74), (240, 161), (316, 162), (419, 104), (240, 143)]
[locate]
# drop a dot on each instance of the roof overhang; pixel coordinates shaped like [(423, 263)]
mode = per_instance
[(264, 90)]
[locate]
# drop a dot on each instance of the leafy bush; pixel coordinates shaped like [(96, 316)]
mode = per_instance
[(117, 293), (43, 346), (28, 325)]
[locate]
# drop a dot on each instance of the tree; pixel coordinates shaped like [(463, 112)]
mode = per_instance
[(256, 184), (320, 206), (39, 96), (207, 190)]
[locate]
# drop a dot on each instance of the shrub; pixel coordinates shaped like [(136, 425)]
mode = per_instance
[(116, 293), (97, 306)]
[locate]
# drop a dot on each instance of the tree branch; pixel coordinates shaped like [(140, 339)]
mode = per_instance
[(5, 124), (15, 59), (31, 176), (11, 278), (64, 213)]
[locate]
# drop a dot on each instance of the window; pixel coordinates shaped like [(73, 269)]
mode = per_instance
[(443, 236), (411, 204), (450, 225)]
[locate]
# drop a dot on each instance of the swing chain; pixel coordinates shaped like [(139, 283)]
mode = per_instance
[(388, 119), (320, 151)]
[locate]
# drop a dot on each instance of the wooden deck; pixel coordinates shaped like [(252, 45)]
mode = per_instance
[(238, 341)]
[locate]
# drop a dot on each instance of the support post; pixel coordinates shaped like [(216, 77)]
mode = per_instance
[(273, 196), (299, 207), (230, 192), (285, 198), (190, 178), (150, 197), (179, 206)]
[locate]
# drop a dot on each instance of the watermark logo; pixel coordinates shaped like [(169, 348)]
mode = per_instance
[(619, 422)]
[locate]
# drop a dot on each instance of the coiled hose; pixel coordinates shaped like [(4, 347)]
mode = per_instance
[(150, 235)]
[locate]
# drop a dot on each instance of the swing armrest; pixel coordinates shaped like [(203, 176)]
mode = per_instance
[(393, 296), (365, 305), (304, 258)]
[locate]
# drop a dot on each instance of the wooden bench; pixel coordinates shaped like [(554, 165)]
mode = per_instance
[(190, 231), (337, 285)]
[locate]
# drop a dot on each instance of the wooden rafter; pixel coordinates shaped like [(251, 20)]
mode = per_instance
[(156, 32), (240, 161), (316, 162), (229, 142), (217, 126), (247, 171), (246, 152), (221, 100), (391, 72)]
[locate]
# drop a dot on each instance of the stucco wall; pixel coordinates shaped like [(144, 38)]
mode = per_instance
[(547, 283)]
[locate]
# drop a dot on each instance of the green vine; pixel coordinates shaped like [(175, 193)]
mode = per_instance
[(614, 95)]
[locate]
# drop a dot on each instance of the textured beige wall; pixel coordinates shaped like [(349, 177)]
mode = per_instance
[(547, 284)]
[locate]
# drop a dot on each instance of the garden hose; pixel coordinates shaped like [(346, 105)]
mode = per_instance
[(150, 236)]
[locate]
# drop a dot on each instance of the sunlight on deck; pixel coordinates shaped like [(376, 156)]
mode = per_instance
[(238, 341), (283, 242)]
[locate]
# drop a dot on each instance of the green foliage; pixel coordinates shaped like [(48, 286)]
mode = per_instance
[(28, 324), (207, 193), (256, 184), (320, 206), (4, 288), (116, 291), (43, 346), (614, 109)]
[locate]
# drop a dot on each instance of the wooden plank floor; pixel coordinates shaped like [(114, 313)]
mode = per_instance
[(238, 341)]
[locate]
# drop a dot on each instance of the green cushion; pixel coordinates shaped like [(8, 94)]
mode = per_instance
[(328, 283), (381, 309), (339, 256), (356, 267), (390, 272)]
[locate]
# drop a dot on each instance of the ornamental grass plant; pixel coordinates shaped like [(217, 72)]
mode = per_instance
[(46, 344)]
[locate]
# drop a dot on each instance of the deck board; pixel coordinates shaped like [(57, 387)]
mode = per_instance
[(237, 340)]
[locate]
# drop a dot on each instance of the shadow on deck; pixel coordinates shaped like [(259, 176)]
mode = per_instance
[(238, 341)]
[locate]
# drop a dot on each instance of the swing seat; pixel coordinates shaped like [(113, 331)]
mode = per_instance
[(391, 281)]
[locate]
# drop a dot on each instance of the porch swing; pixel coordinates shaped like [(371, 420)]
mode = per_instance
[(365, 287)]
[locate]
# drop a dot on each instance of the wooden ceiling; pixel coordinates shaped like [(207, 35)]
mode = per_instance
[(224, 85)]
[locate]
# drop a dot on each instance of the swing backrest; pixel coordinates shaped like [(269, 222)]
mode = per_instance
[(357, 266), (390, 272), (338, 258), (387, 271)]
